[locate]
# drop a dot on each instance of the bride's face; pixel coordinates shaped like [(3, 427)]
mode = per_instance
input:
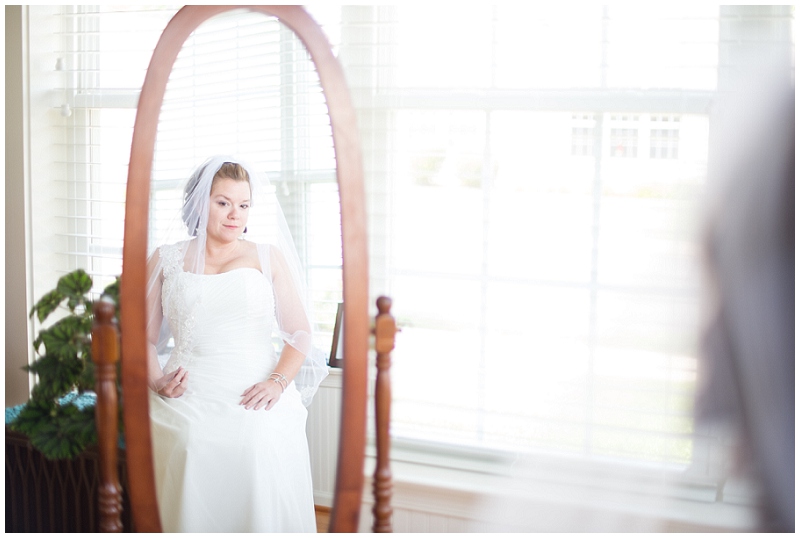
[(228, 209)]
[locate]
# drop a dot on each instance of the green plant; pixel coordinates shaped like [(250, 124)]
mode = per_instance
[(53, 419)]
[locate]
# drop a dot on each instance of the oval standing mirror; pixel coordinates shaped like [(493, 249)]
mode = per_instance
[(261, 106)]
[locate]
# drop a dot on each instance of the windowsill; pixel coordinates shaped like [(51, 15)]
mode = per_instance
[(333, 379), (464, 481), (460, 482)]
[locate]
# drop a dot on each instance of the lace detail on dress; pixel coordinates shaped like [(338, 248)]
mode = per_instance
[(179, 313), (172, 260)]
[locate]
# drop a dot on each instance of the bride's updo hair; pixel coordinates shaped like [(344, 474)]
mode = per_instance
[(228, 170), (234, 171)]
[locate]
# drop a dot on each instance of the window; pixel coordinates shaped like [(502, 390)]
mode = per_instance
[(624, 136), (547, 302), (582, 135), (664, 137), (543, 269)]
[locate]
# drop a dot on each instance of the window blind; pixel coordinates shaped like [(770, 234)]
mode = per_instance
[(534, 177), (243, 84), (101, 60)]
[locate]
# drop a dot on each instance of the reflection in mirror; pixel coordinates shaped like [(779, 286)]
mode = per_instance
[(243, 85)]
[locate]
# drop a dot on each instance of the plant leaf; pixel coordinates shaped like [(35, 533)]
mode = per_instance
[(67, 337), (32, 414), (58, 339), (58, 432), (36, 343), (112, 290), (75, 285), (86, 379), (62, 432), (56, 376), (47, 304)]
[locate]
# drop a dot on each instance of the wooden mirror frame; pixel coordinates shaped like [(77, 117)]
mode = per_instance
[(133, 317)]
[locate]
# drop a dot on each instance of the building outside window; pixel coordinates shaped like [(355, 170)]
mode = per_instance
[(624, 136), (664, 137), (582, 135)]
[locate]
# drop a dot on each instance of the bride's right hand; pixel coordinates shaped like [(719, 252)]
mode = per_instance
[(173, 384)]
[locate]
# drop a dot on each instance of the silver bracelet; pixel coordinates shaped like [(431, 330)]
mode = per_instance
[(283, 389), (280, 380)]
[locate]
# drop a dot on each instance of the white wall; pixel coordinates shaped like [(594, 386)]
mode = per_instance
[(33, 190), (16, 262)]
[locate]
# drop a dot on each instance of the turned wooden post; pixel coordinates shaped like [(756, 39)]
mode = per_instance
[(105, 354), (385, 329)]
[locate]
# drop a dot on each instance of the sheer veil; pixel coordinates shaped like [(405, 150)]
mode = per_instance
[(185, 232)]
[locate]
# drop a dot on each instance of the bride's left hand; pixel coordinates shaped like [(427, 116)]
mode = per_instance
[(264, 394)]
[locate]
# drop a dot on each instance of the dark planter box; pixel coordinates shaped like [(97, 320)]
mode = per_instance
[(55, 495)]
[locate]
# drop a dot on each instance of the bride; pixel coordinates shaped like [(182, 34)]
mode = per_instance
[(227, 409)]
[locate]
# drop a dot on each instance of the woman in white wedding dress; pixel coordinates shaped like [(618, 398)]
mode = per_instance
[(227, 409)]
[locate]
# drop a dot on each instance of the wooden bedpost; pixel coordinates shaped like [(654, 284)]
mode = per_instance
[(105, 354), (385, 330)]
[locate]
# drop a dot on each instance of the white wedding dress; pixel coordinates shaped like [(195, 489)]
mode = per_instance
[(220, 467)]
